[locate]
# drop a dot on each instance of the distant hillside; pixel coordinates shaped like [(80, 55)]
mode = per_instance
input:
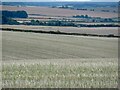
[(75, 4)]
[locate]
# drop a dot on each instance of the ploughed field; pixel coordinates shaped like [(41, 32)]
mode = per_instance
[(46, 60), (59, 12)]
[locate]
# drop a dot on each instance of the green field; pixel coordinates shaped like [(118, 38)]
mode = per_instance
[(44, 60)]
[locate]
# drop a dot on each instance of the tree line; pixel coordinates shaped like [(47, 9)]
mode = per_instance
[(8, 18), (65, 23), (98, 25), (50, 23)]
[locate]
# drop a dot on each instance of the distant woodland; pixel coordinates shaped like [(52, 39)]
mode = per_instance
[(8, 15)]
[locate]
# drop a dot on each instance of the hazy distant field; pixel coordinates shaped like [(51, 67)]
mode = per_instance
[(60, 12), (84, 30), (44, 60)]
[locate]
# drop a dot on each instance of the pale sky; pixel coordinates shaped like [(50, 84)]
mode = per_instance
[(57, 0)]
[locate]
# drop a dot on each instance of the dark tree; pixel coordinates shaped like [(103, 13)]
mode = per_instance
[(15, 14)]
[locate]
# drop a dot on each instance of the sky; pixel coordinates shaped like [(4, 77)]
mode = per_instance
[(57, 0)]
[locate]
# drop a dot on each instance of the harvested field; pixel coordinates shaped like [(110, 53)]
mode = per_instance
[(98, 31), (33, 59), (81, 73), (59, 12), (21, 45), (50, 61)]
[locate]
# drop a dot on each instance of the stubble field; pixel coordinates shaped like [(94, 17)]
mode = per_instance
[(44, 60)]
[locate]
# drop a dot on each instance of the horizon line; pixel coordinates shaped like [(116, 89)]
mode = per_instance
[(59, 1)]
